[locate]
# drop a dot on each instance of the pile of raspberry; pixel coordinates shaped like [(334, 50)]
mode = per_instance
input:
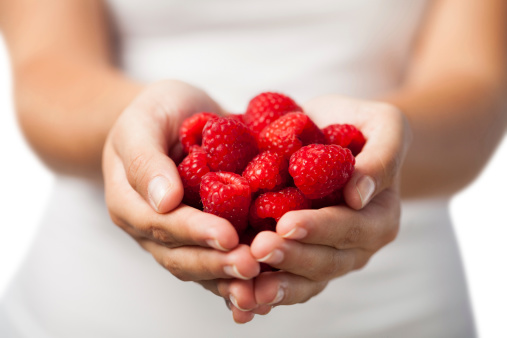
[(253, 168)]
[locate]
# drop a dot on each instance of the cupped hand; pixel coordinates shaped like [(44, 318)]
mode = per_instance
[(312, 247), (144, 192)]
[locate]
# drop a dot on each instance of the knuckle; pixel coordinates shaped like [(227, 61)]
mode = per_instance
[(138, 170), (329, 269), (160, 235), (352, 237), (175, 269)]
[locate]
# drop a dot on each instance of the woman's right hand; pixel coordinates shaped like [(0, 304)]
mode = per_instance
[(144, 192)]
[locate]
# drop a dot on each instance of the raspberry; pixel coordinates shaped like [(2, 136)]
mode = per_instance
[(191, 171), (267, 171), (268, 208), (334, 198), (320, 169), (289, 133), (191, 129), (239, 117), (266, 108), (229, 145), (227, 195), (345, 135)]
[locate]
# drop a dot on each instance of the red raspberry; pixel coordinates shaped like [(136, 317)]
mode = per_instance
[(191, 171), (320, 169), (289, 133), (239, 117), (267, 171), (268, 208), (227, 195), (191, 129), (229, 144), (345, 135), (334, 198), (266, 108)]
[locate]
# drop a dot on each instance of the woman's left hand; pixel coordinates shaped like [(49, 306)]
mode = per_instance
[(312, 247)]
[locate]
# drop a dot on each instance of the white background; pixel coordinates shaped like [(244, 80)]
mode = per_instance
[(479, 213)]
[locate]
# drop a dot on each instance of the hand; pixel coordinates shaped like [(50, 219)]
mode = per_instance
[(312, 247), (143, 192)]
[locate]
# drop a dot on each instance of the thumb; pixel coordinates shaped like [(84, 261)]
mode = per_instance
[(144, 133), (141, 140), (379, 163)]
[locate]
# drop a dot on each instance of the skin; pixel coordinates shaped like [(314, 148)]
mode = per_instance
[(432, 137)]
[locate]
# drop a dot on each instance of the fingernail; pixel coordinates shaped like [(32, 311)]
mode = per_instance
[(274, 257), (228, 304), (296, 233), (235, 302), (215, 244), (365, 187), (157, 189), (232, 271), (278, 297)]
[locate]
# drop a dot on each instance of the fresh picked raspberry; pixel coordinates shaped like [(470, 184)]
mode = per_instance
[(191, 170), (191, 129), (319, 169), (239, 117), (266, 108), (268, 208), (229, 145), (267, 171), (334, 198), (345, 135), (289, 133), (227, 195)]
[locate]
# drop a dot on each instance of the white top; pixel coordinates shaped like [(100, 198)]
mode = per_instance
[(84, 277)]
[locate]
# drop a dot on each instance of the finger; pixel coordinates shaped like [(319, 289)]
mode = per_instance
[(142, 141), (241, 289), (315, 262), (190, 263), (378, 164), (283, 288), (240, 293), (341, 227), (183, 226), (241, 317)]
